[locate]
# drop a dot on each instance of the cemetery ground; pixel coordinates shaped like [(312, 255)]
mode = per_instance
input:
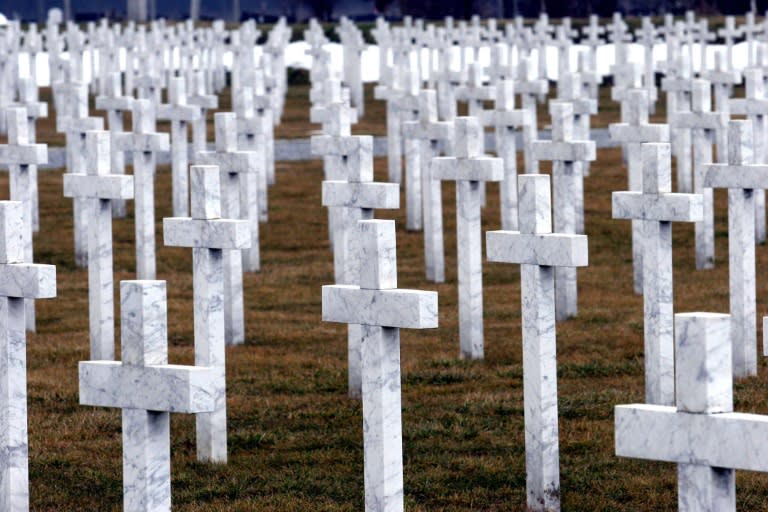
[(295, 439)]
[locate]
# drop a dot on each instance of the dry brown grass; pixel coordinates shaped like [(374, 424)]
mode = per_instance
[(296, 440)]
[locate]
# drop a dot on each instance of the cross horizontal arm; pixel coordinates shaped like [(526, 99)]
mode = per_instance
[(361, 195), (748, 106), (339, 145), (233, 162), (111, 186), (410, 309), (438, 130), (551, 249), (79, 124), (584, 106), (109, 103), (141, 142), (667, 207), (537, 87), (736, 176), (28, 280), (178, 112), (514, 118), (213, 234), (24, 154), (726, 440), (481, 168), (705, 120), (575, 151), (167, 388), (208, 101), (623, 132), (323, 115)]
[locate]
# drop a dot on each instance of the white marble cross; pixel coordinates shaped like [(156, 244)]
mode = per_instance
[(677, 84), (530, 90), (208, 235), (147, 389), (232, 164), (591, 39), (703, 125), (356, 196), (475, 92), (335, 147), (701, 434), (646, 36), (116, 104), (741, 176), (253, 128), (635, 131), (430, 132), (755, 106), (29, 99), (75, 123), (566, 155), (468, 169), (19, 154), (206, 102), (653, 208), (179, 113), (506, 118), (570, 88), (389, 93), (144, 143), (98, 188), (728, 33), (406, 105), (382, 310), (20, 280), (748, 30), (538, 251), (265, 109), (723, 80)]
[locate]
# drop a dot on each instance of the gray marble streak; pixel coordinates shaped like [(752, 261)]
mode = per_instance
[(147, 389)]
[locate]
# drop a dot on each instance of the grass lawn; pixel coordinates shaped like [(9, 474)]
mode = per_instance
[(295, 440)]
